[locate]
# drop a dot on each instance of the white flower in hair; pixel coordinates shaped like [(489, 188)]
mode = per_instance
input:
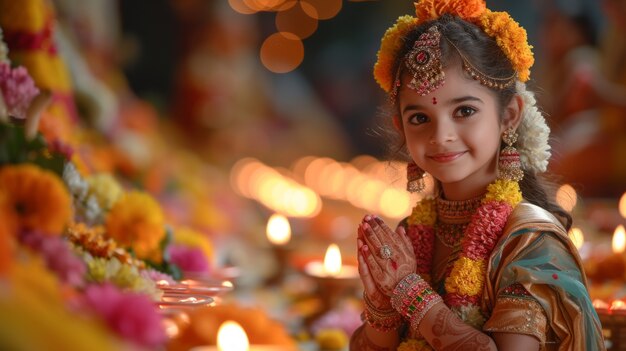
[(532, 142)]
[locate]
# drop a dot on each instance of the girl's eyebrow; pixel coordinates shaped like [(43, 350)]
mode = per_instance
[(449, 102)]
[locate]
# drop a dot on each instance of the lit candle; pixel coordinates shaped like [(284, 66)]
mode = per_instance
[(278, 230), (332, 266), (232, 337)]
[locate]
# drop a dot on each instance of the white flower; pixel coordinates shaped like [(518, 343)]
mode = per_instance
[(534, 133), (76, 184)]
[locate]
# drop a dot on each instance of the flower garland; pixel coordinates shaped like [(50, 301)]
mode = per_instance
[(507, 33), (464, 283)]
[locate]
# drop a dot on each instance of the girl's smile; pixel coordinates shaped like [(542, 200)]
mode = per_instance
[(446, 157)]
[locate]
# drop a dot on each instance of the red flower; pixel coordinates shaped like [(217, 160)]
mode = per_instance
[(485, 229)]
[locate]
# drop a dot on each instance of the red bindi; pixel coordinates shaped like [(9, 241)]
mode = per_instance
[(434, 101)]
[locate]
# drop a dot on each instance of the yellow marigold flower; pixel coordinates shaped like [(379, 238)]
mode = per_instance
[(105, 188), (504, 190), (423, 213), (427, 10), (467, 277), (414, 345), (190, 237), (136, 221), (332, 339), (389, 48), (35, 199), (511, 38)]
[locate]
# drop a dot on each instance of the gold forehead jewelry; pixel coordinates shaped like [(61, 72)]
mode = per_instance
[(424, 63)]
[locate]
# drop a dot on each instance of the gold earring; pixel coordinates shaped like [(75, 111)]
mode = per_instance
[(415, 178), (509, 163)]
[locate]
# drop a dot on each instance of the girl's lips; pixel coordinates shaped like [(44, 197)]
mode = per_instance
[(446, 157)]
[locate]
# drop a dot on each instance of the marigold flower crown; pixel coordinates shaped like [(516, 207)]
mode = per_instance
[(508, 34)]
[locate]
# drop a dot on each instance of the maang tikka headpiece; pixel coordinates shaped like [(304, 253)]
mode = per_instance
[(424, 63)]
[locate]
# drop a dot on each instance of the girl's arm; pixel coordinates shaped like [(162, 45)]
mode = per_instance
[(443, 330), (366, 338)]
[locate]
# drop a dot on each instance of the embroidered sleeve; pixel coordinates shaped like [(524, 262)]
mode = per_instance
[(516, 311)]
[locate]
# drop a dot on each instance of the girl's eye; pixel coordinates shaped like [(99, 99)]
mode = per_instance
[(465, 111), (418, 118)]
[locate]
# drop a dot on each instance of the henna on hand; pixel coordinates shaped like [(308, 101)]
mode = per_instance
[(450, 333), (387, 272)]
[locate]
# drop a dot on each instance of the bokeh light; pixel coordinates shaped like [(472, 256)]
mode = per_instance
[(282, 52), (322, 9), (241, 7), (296, 21)]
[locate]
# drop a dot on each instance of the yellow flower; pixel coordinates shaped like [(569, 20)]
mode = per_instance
[(467, 277), (34, 199), (424, 213), (331, 339), (390, 46), (414, 345), (105, 188), (136, 221), (190, 237), (511, 38), (505, 191)]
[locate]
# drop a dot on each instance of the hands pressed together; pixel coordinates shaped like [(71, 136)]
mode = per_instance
[(385, 258)]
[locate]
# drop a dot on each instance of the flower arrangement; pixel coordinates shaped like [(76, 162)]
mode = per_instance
[(464, 283)]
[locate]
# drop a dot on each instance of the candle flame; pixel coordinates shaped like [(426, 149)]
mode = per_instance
[(619, 239), (332, 260), (232, 337), (577, 237), (278, 230), (622, 205), (618, 305)]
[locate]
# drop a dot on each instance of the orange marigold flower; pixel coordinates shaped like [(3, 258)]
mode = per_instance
[(511, 38), (136, 221), (34, 199), (389, 48), (427, 10)]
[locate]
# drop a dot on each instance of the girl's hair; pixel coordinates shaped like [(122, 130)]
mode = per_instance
[(485, 55)]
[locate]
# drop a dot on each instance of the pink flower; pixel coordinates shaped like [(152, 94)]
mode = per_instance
[(132, 316), (17, 88), (58, 256), (189, 259), (485, 229)]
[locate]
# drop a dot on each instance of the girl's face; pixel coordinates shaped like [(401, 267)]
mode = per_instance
[(454, 132)]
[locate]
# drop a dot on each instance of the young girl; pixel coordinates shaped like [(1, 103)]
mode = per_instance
[(486, 264)]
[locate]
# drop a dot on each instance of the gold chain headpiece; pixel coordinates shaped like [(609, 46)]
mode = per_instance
[(508, 34)]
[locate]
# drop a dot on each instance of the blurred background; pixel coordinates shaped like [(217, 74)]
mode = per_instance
[(232, 112)]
